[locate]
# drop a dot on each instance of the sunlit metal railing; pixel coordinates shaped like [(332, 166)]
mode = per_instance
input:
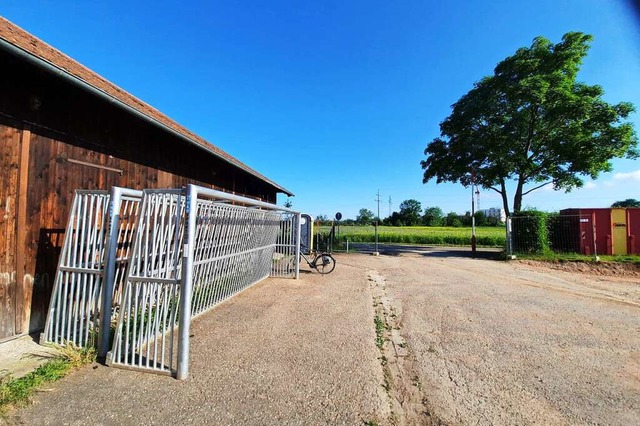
[(192, 250)]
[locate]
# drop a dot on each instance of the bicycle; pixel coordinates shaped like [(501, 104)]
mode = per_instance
[(323, 262)]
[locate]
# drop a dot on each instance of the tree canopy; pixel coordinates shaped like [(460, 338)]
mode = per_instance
[(433, 216), (532, 123), (629, 202), (365, 217), (410, 211)]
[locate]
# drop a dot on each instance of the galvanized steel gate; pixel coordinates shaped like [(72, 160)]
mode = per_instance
[(193, 250), (144, 257), (80, 296)]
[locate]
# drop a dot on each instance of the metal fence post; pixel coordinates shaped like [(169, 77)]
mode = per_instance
[(509, 245), (115, 203), (298, 239), (186, 287)]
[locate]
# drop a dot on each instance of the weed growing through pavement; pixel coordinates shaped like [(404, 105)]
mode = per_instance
[(379, 331), (17, 392)]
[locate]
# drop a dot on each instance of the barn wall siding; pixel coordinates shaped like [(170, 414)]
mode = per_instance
[(48, 129), (9, 162), (54, 172)]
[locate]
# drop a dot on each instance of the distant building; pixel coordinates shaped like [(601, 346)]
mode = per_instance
[(499, 214)]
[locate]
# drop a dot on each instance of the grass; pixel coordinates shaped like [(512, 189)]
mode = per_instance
[(487, 236), (574, 257), (17, 392), (379, 331)]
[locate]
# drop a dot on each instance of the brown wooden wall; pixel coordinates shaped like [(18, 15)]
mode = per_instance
[(9, 163), (51, 181), (46, 124)]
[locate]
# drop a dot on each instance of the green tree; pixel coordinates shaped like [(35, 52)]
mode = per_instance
[(453, 219), (394, 220), (410, 212), (629, 202), (433, 216), (365, 217), (481, 219), (532, 124)]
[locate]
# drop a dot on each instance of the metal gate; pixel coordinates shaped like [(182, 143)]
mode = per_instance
[(149, 299), (78, 289), (193, 249), (286, 257)]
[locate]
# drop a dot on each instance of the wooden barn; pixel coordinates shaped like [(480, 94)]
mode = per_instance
[(63, 127)]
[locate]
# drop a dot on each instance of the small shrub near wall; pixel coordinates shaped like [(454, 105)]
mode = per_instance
[(529, 233)]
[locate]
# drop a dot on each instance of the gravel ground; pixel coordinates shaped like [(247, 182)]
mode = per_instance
[(469, 342), (282, 352), (505, 343)]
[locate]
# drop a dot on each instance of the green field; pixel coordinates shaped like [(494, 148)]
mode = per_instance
[(487, 236)]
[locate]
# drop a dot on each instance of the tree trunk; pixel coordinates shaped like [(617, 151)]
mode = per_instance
[(517, 198), (505, 199)]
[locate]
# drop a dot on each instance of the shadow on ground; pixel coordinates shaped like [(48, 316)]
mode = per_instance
[(429, 251)]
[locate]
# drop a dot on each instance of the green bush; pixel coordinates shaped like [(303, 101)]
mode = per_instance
[(529, 232)]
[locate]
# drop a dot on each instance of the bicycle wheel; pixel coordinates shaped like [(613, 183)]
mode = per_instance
[(324, 263)]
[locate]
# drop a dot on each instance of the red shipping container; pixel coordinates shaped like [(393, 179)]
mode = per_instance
[(633, 229), (602, 219)]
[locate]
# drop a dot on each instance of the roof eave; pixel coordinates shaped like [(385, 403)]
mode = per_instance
[(52, 68)]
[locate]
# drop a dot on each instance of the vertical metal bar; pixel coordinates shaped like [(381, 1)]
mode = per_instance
[(298, 232), (186, 284), (108, 280), (508, 238)]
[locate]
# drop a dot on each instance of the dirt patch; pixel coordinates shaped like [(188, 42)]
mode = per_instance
[(616, 269), (401, 380), (510, 343)]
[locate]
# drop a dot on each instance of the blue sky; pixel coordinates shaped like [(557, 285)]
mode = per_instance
[(336, 100)]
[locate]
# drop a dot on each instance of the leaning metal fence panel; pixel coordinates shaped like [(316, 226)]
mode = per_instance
[(149, 297), (123, 216), (82, 280), (73, 309)]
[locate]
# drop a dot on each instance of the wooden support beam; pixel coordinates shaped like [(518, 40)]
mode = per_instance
[(21, 232)]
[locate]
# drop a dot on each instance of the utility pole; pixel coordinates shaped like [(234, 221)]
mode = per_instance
[(473, 214), (377, 253), (389, 205)]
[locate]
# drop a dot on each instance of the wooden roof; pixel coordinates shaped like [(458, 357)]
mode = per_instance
[(30, 44)]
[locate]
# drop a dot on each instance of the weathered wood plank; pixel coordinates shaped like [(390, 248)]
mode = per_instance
[(9, 157), (22, 296)]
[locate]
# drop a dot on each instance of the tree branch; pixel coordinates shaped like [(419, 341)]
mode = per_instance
[(497, 190), (532, 123), (537, 187)]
